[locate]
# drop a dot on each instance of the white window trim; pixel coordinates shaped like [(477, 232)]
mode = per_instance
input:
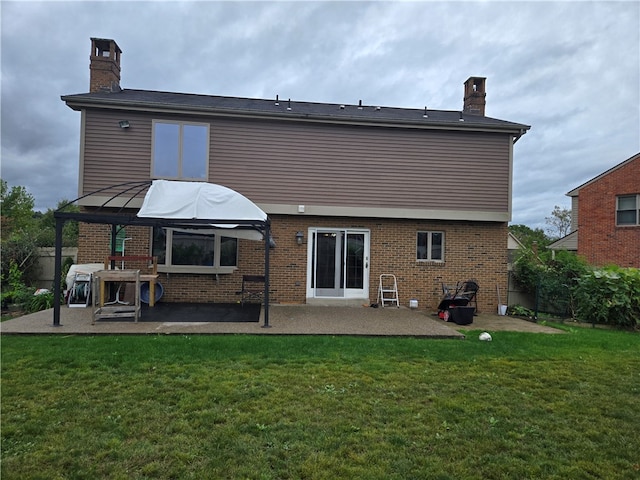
[(200, 269), (181, 124), (429, 245), (637, 211)]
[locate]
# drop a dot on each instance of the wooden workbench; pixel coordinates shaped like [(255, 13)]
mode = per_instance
[(102, 309), (112, 260)]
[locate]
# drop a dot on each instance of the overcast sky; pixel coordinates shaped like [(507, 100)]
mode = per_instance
[(571, 70)]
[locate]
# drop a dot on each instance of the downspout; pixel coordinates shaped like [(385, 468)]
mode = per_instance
[(517, 137)]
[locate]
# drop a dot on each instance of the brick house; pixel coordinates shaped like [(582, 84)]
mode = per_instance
[(352, 190), (605, 217)]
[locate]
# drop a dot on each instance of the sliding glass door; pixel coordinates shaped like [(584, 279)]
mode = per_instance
[(338, 264)]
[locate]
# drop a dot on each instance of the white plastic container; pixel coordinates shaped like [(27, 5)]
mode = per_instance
[(502, 309), (413, 303)]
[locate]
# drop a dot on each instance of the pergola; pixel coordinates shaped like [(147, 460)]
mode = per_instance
[(186, 205)]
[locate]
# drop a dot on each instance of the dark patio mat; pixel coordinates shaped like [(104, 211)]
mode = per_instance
[(200, 312)]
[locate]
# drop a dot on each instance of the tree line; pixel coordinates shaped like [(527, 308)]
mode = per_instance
[(24, 231)]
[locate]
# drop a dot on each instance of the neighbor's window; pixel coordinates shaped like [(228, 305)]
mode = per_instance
[(430, 246), (628, 210), (192, 251), (180, 150)]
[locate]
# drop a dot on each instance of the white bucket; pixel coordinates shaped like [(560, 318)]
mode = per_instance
[(413, 303), (502, 309)]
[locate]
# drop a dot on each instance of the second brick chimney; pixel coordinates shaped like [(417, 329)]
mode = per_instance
[(104, 67), (475, 95)]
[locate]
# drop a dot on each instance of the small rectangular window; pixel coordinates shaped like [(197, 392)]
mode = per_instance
[(628, 210), (180, 150), (430, 246)]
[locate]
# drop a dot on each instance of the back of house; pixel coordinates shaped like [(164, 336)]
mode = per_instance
[(353, 191)]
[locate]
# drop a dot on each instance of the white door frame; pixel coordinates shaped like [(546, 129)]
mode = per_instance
[(344, 293)]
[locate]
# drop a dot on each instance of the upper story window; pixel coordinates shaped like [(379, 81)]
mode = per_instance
[(628, 210), (192, 251), (180, 150), (430, 246)]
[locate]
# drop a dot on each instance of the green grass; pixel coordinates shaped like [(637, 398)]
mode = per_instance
[(268, 407)]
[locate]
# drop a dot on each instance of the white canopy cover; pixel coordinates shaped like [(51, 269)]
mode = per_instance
[(203, 201)]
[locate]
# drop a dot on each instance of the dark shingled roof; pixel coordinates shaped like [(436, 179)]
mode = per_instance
[(285, 108)]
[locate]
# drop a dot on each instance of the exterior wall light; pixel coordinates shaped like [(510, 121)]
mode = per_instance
[(124, 124), (299, 237)]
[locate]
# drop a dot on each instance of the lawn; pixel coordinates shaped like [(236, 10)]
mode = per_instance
[(268, 407)]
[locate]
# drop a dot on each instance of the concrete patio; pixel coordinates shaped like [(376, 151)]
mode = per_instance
[(283, 320)]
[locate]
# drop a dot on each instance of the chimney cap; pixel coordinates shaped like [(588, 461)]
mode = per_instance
[(105, 42)]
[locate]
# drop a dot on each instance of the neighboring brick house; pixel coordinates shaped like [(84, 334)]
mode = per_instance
[(605, 219), (353, 191)]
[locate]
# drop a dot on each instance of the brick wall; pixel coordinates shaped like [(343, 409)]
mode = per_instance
[(475, 250), (600, 241), (94, 242)]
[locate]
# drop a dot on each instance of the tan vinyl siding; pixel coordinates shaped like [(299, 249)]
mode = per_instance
[(316, 164), (359, 166), (574, 213), (113, 155)]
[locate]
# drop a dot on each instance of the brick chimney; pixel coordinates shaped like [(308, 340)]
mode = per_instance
[(104, 68), (475, 95)]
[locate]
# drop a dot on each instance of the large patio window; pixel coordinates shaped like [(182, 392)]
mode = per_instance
[(430, 246), (628, 210), (180, 150), (191, 251)]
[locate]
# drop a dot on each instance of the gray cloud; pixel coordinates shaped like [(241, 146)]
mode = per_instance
[(571, 70)]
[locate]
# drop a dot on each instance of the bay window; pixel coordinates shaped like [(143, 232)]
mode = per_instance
[(194, 251)]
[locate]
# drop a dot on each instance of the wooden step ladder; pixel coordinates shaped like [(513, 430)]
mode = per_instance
[(388, 290)]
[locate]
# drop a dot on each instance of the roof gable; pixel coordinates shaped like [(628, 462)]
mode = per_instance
[(568, 242), (575, 191)]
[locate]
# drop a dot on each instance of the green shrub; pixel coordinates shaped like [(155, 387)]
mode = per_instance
[(610, 296), (20, 249), (41, 301), (551, 279), (520, 311), (14, 291)]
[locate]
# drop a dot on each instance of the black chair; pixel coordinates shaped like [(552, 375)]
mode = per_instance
[(252, 289), (470, 292)]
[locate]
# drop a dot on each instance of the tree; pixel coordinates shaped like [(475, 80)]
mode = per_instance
[(24, 230), (19, 233), (47, 224), (559, 222), (17, 208), (528, 235)]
